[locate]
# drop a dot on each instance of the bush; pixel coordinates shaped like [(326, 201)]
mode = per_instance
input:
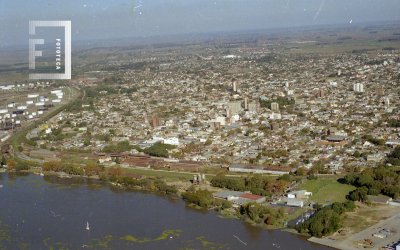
[(20, 149), (21, 166)]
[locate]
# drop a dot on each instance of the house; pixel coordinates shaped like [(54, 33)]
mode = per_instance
[(302, 194), (295, 203)]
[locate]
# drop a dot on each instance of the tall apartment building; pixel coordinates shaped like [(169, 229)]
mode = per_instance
[(234, 86), (253, 107), (358, 87), (246, 103), (275, 106), (235, 107), (379, 90), (155, 122), (321, 93)]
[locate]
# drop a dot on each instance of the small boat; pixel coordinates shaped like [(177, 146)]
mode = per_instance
[(87, 226), (41, 174)]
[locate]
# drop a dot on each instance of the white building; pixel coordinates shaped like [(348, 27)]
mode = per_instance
[(358, 87)]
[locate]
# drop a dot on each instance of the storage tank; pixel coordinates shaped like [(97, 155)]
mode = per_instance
[(46, 99), (40, 112), (33, 95), (56, 91), (13, 115), (3, 111), (29, 102), (22, 107), (33, 113), (30, 116), (194, 178), (42, 99), (39, 103), (11, 105), (18, 122), (56, 100)]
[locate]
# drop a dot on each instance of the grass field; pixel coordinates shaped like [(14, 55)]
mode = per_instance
[(327, 190)]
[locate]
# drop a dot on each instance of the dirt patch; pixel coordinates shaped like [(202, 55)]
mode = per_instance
[(363, 217)]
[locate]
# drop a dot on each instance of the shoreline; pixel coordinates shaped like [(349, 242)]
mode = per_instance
[(221, 213)]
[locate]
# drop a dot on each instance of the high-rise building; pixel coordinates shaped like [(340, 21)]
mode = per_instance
[(234, 86), (155, 122), (275, 106), (228, 113), (274, 126), (321, 93), (387, 102), (235, 107), (246, 103), (253, 107), (379, 90), (358, 87)]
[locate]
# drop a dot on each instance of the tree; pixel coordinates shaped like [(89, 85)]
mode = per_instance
[(20, 149), (86, 142), (208, 142), (3, 160), (11, 164)]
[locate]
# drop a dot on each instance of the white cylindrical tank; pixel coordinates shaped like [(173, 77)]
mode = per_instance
[(3, 111), (22, 107), (30, 116), (13, 115), (11, 105), (29, 102), (40, 112), (18, 122), (33, 95), (33, 113), (41, 99), (27, 113), (12, 120), (39, 103), (56, 100)]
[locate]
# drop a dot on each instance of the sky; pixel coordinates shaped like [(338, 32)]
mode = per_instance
[(105, 19)]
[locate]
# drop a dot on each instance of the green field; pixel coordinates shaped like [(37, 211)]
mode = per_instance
[(327, 189)]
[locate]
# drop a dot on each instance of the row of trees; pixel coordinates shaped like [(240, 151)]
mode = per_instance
[(257, 184), (374, 181)]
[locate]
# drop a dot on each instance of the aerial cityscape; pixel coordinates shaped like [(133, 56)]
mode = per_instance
[(263, 136)]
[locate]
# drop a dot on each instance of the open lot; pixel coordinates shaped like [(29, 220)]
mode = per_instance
[(362, 224), (327, 190)]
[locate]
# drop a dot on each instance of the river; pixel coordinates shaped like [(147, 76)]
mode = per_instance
[(51, 213)]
